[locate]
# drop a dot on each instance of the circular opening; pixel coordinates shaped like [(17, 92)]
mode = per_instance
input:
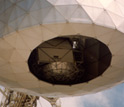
[(69, 60)]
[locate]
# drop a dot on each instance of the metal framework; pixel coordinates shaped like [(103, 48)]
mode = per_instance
[(53, 101), (17, 99), (12, 98)]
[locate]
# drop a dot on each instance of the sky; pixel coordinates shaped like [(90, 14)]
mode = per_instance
[(113, 97)]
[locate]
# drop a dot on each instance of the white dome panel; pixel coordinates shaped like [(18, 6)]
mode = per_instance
[(24, 24), (91, 3)]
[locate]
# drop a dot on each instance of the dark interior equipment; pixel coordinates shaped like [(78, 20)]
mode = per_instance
[(69, 60)]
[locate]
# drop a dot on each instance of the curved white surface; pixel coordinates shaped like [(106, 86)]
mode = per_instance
[(24, 24)]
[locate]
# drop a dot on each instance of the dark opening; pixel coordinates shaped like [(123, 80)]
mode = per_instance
[(69, 60)]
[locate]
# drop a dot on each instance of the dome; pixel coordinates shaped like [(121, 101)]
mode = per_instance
[(96, 26)]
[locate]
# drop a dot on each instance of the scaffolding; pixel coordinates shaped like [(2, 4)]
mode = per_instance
[(17, 99), (10, 98)]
